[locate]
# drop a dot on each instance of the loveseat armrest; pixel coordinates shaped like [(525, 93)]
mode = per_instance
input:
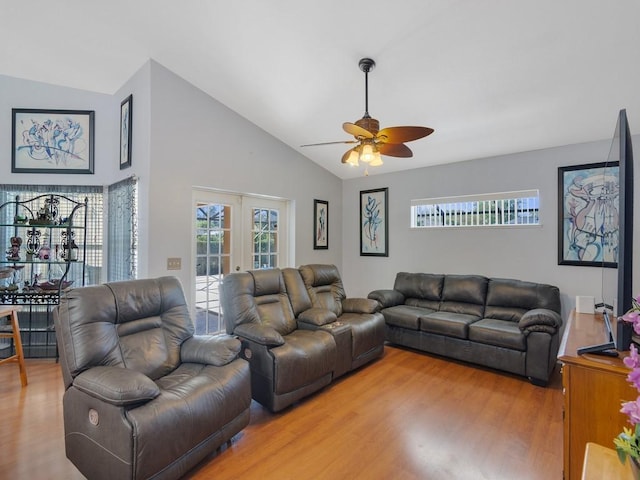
[(117, 385), (317, 316), (260, 334), (387, 298), (215, 350), (540, 320), (360, 305)]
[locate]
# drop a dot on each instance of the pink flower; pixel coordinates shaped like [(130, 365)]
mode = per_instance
[(633, 360), (632, 409), (634, 378)]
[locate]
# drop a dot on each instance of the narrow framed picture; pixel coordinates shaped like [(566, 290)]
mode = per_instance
[(126, 130), (320, 225), (52, 141), (588, 197), (374, 224)]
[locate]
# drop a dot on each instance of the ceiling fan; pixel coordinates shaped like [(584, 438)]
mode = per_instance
[(371, 141)]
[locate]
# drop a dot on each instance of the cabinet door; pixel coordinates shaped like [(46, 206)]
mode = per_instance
[(592, 412)]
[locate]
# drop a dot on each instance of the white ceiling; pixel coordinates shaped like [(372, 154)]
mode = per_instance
[(491, 77)]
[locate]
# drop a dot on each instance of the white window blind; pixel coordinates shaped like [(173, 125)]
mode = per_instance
[(489, 209)]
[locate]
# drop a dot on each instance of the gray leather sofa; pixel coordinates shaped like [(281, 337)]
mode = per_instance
[(298, 330), (506, 324), (144, 397)]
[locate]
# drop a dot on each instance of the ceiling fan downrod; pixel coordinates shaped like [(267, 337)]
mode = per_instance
[(366, 65)]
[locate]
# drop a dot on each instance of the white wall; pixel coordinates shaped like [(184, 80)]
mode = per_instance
[(197, 141), (527, 253), (18, 93), (183, 138)]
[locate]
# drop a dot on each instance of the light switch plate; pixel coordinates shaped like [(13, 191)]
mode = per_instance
[(174, 263)]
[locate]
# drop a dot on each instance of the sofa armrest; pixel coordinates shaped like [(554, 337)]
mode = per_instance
[(387, 298), (116, 385), (317, 316), (215, 350), (360, 305), (260, 334), (540, 320)]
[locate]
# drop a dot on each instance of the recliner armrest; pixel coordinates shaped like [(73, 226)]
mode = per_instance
[(540, 320), (317, 316), (117, 385), (387, 298), (259, 334), (360, 305), (215, 350)]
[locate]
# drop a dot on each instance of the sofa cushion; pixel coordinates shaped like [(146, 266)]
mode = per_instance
[(425, 286), (509, 299), (305, 357), (448, 323), (405, 316), (324, 286), (464, 294), (367, 331), (501, 333)]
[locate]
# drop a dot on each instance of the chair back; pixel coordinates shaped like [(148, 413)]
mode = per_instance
[(257, 296), (135, 324), (324, 286)]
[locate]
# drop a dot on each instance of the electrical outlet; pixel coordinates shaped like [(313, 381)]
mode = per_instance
[(174, 263)]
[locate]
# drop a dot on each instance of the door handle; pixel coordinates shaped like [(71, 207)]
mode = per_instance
[(237, 268)]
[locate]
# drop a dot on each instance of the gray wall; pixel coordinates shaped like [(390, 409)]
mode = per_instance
[(526, 253), (183, 139), (17, 93), (197, 141)]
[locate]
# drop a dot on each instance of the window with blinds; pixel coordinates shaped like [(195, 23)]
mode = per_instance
[(486, 210)]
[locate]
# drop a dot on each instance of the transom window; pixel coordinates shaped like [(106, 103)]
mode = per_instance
[(485, 210)]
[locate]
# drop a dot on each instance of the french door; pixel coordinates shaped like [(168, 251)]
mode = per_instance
[(233, 233)]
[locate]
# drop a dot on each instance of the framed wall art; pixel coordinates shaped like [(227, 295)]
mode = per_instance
[(126, 116), (374, 225), (320, 225), (588, 215), (52, 141)]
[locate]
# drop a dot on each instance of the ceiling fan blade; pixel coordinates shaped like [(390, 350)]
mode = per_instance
[(356, 130), (403, 134), (395, 150), (328, 143)]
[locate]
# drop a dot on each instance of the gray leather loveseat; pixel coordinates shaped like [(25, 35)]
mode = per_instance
[(298, 330), (144, 397), (510, 325)]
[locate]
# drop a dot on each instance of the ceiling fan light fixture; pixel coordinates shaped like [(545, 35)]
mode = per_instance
[(368, 153), (353, 157), (377, 160)]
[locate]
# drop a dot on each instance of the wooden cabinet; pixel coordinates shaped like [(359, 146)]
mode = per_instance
[(594, 388)]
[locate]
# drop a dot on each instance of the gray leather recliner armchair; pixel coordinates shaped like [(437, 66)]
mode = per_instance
[(144, 397)]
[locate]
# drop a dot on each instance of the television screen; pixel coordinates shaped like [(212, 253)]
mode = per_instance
[(617, 288)]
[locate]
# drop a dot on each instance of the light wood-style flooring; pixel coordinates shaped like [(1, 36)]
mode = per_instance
[(406, 416)]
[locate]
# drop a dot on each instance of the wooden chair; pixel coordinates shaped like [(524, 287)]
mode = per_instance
[(13, 331)]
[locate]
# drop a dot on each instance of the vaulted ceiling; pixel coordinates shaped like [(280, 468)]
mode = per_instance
[(491, 77)]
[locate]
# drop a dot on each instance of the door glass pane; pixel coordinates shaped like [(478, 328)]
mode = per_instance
[(212, 262), (265, 238)]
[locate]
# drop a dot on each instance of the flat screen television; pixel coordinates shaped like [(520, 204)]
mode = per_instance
[(617, 288)]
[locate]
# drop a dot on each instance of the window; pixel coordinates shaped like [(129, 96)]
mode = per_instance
[(492, 209), (265, 238), (123, 230)]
